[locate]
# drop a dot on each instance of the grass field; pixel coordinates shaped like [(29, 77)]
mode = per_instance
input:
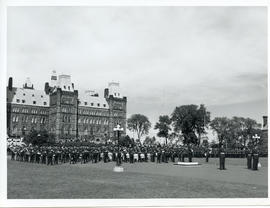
[(140, 180)]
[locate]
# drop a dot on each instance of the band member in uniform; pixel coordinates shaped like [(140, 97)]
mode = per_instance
[(255, 159), (189, 153), (249, 158), (222, 158), (207, 155)]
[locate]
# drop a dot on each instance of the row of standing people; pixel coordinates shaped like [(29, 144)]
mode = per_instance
[(56, 155)]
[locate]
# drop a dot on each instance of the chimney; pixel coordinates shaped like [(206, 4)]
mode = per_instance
[(106, 92), (47, 88), (10, 83), (264, 121)]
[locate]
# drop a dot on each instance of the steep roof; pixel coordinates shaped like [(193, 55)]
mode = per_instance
[(28, 97), (87, 100)]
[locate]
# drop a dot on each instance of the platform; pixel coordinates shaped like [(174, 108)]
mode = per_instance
[(188, 164), (118, 169)]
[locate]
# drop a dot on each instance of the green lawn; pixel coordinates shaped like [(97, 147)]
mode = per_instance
[(140, 180)]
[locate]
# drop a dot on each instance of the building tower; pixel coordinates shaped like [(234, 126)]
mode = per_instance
[(53, 82), (63, 109), (117, 107), (28, 84)]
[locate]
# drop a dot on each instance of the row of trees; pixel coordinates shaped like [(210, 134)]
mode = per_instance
[(189, 122)]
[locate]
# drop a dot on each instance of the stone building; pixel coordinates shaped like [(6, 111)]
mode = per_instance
[(64, 112)]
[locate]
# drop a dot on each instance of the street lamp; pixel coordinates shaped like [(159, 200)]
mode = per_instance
[(118, 167), (256, 138)]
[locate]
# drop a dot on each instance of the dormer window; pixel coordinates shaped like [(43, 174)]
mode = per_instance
[(92, 104), (64, 86), (23, 94), (23, 101), (34, 102), (104, 105), (18, 100), (45, 103), (98, 104), (114, 94), (85, 103), (68, 87), (42, 96), (33, 95)]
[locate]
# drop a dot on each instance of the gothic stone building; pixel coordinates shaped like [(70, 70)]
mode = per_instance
[(62, 111)]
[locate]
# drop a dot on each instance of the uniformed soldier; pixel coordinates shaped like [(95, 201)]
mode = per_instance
[(222, 158), (183, 154), (190, 153), (12, 154), (119, 161), (50, 157), (249, 159), (38, 156), (158, 156), (255, 159), (207, 155)]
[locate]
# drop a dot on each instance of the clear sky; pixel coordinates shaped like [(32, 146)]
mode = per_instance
[(162, 56)]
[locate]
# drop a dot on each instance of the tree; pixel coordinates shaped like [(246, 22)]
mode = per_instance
[(235, 132), (163, 127), (139, 123), (251, 127), (149, 141), (203, 119), (213, 144), (126, 141), (189, 120), (39, 137), (221, 125)]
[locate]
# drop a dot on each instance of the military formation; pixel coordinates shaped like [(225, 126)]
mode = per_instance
[(53, 155), (94, 153)]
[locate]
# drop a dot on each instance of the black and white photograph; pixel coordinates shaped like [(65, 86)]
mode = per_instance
[(136, 102)]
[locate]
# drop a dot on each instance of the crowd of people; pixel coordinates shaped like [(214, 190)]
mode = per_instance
[(94, 153)]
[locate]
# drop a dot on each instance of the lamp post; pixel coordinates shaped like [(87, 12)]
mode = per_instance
[(255, 138), (118, 167)]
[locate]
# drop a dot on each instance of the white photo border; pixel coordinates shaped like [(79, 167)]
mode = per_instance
[(4, 4)]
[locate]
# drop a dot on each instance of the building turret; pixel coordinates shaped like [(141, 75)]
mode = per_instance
[(53, 79), (28, 84), (89, 92), (65, 83), (265, 125), (47, 88), (114, 90)]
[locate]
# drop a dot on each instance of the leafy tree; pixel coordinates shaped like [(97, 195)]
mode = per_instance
[(205, 143), (139, 124), (203, 119), (221, 125), (235, 132), (163, 127), (213, 144), (149, 140), (189, 120), (126, 141), (39, 137), (251, 127)]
